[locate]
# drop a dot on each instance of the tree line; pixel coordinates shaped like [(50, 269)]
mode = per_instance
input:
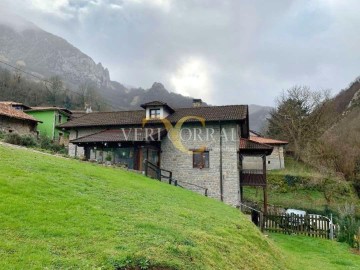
[(14, 86), (319, 134)]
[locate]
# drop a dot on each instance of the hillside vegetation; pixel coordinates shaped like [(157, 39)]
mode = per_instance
[(58, 213), (301, 186)]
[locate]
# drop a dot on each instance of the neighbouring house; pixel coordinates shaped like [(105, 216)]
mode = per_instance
[(16, 121), (202, 146), (16, 105), (276, 160), (51, 117)]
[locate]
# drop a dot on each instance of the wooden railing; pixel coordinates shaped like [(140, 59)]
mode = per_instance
[(154, 171), (310, 225), (251, 171)]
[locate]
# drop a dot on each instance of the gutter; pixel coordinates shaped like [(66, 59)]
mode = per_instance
[(221, 165)]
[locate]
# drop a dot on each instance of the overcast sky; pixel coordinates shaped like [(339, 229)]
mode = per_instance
[(226, 52)]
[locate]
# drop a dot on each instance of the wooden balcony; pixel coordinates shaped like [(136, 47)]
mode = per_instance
[(253, 178)]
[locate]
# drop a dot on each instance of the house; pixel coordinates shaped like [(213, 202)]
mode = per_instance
[(16, 121), (16, 105), (276, 160), (50, 118), (202, 146)]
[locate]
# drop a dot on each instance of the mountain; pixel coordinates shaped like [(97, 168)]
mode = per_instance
[(341, 140), (258, 117), (45, 55)]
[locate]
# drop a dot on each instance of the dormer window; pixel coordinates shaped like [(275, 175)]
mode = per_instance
[(155, 113), (157, 110)]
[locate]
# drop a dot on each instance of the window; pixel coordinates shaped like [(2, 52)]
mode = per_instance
[(154, 113), (60, 118), (201, 159)]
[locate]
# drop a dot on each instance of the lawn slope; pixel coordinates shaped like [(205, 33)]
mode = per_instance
[(58, 213), (315, 253)]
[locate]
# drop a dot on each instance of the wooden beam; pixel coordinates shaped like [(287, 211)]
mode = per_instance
[(265, 187)]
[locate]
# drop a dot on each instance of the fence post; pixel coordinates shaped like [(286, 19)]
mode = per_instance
[(331, 227), (262, 221), (170, 178), (146, 167)]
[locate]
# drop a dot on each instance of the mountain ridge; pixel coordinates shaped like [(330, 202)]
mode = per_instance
[(46, 55)]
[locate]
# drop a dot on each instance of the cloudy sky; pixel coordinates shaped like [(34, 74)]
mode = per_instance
[(224, 51)]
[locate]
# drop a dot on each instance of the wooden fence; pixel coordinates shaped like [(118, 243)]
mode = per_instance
[(310, 225)]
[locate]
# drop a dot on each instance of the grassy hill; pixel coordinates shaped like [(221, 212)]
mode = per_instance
[(315, 253), (58, 213)]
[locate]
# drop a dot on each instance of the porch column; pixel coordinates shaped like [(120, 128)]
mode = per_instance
[(265, 187), (240, 177)]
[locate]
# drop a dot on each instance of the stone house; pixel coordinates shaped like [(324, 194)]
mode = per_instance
[(275, 161), (13, 120), (202, 146)]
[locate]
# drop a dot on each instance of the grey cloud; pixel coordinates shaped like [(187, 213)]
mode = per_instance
[(255, 49)]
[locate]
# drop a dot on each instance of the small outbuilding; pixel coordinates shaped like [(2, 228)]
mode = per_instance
[(13, 120)]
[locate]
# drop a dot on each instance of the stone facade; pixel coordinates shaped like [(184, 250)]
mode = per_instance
[(22, 127), (181, 163), (273, 162), (74, 134)]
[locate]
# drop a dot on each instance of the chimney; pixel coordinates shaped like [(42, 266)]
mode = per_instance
[(88, 108), (197, 102)]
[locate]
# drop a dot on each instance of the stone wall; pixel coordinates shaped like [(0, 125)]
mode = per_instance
[(78, 134), (22, 127), (181, 163), (273, 162)]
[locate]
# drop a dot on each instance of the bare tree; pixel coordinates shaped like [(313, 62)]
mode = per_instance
[(298, 116)]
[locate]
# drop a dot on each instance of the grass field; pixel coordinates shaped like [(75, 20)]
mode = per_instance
[(315, 253), (58, 213)]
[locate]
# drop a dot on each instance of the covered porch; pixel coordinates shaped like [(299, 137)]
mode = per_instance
[(123, 147), (252, 165)]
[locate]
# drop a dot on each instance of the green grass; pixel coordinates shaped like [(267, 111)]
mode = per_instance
[(58, 213), (298, 199), (314, 253), (293, 167)]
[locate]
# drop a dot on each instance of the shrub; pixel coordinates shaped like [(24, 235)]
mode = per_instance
[(28, 141), (348, 225), (2, 135), (13, 138), (47, 144)]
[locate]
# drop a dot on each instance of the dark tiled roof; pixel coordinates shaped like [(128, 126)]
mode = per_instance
[(154, 103), (122, 135), (107, 119), (246, 144), (216, 113), (9, 111), (36, 109), (77, 114)]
